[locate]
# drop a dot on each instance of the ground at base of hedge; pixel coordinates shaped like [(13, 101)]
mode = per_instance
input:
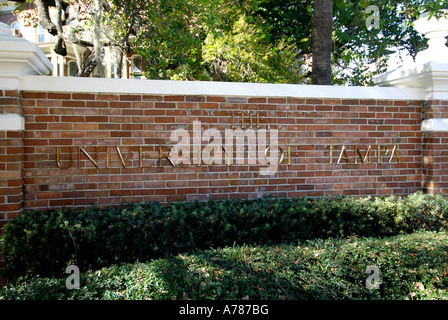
[(410, 267)]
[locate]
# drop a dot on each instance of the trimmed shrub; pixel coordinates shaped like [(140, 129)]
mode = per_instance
[(44, 243), (410, 267)]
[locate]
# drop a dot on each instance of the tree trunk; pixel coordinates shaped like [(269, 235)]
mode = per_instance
[(97, 45), (78, 58), (60, 47), (322, 42), (44, 17)]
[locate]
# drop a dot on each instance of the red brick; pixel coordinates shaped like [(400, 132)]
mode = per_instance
[(60, 111), (83, 96), (174, 98), (277, 100), (187, 105), (195, 99), (73, 134), (72, 118), (48, 103), (143, 104), (130, 97), (47, 119), (120, 104), (97, 104), (96, 119), (165, 105), (9, 101), (107, 97), (152, 98), (85, 126), (350, 102), (59, 96), (215, 99), (315, 101), (11, 93), (34, 95), (73, 103)]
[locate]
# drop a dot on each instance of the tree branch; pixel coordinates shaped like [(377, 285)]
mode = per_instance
[(44, 17), (59, 47)]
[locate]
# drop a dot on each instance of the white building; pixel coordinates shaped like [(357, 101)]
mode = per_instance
[(76, 54)]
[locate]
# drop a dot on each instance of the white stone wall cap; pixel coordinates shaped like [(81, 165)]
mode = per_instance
[(209, 88)]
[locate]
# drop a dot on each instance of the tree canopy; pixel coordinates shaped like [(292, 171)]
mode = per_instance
[(241, 40)]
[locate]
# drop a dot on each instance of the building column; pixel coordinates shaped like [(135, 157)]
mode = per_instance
[(107, 65), (125, 67), (430, 74), (18, 57), (54, 62), (61, 64)]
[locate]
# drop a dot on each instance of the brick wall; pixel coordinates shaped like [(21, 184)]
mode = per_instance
[(435, 150), (308, 126)]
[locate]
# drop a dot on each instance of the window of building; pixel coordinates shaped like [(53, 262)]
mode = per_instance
[(41, 34), (72, 68), (15, 26), (137, 67)]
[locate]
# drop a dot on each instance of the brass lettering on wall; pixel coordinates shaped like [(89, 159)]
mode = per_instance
[(391, 153), (82, 150), (243, 125), (346, 155), (58, 158), (382, 151)]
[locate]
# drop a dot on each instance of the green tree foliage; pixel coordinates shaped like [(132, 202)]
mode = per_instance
[(244, 54), (255, 40), (213, 40), (356, 48), (170, 35)]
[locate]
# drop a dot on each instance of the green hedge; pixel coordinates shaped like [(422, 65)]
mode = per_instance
[(44, 243), (411, 266)]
